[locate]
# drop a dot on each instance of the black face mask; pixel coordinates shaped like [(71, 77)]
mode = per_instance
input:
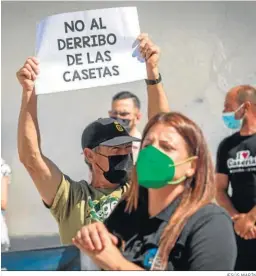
[(124, 122), (119, 168)]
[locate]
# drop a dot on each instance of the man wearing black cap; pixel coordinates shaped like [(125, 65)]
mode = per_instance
[(107, 149)]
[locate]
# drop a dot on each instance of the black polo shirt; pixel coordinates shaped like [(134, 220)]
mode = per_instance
[(207, 241)]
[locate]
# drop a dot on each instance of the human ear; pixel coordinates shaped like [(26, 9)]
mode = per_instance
[(192, 170), (89, 155)]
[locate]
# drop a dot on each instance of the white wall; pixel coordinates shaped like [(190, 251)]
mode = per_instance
[(206, 49)]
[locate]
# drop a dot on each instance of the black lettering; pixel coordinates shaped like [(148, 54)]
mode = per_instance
[(101, 40), (99, 69), (70, 27), (77, 42), (111, 39), (99, 57), (106, 72), (70, 60), (76, 75), (79, 59), (115, 69), (94, 24), (82, 26), (92, 73), (107, 55), (101, 24), (88, 58), (69, 43), (64, 77), (85, 75), (86, 39), (61, 44), (94, 41)]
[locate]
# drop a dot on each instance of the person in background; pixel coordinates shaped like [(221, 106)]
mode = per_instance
[(106, 147), (126, 108), (168, 219), (236, 166), (5, 181)]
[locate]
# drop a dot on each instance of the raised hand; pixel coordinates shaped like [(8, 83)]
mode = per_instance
[(28, 73)]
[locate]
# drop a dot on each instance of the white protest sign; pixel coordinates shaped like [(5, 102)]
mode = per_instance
[(88, 49)]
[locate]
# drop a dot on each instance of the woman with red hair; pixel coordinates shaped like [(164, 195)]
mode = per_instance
[(168, 219)]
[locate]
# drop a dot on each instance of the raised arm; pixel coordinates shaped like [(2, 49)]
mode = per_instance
[(157, 99), (44, 172)]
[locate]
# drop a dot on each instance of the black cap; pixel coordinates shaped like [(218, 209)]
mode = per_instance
[(105, 132)]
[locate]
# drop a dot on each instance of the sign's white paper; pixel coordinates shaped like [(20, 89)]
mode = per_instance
[(87, 49)]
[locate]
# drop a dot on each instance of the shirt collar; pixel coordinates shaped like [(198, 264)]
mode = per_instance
[(165, 214)]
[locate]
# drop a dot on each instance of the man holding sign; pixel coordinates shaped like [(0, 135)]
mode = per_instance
[(75, 204)]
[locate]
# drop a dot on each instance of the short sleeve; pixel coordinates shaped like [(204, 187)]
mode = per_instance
[(212, 244), (69, 193), (221, 162)]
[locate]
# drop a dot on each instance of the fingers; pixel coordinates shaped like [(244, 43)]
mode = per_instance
[(30, 69), (151, 51), (147, 48), (32, 74), (103, 234), (32, 65), (142, 36), (77, 244), (253, 230), (249, 235), (113, 238), (243, 230), (237, 229), (94, 237), (25, 73), (83, 238)]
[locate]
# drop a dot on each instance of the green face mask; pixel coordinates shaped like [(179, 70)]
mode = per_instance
[(155, 169)]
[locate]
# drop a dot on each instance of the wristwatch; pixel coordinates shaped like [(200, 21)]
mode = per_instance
[(153, 82)]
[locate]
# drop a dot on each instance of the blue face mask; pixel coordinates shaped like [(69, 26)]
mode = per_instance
[(230, 120)]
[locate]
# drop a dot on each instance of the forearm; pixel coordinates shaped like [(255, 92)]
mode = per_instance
[(224, 201), (127, 265), (157, 99), (28, 129)]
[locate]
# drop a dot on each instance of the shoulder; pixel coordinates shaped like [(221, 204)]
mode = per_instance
[(210, 223), (70, 187), (228, 140), (69, 192), (210, 239), (74, 182), (210, 214)]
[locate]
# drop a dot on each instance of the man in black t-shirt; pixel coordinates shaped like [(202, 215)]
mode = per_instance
[(236, 165)]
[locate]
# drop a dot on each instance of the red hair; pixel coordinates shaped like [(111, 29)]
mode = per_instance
[(199, 189)]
